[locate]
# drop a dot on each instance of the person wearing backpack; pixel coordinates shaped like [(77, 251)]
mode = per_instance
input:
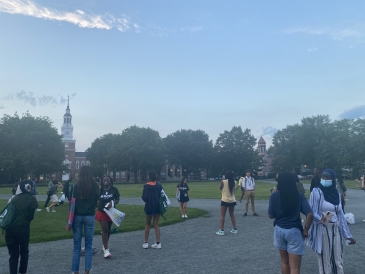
[(151, 195), (18, 234)]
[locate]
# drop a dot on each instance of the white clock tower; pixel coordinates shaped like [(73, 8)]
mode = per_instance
[(67, 127)]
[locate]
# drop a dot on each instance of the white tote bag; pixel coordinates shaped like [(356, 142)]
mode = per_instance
[(114, 214)]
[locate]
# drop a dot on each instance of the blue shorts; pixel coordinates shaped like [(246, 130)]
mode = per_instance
[(290, 240)]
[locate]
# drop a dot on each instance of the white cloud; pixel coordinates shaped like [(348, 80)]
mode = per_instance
[(354, 113), (192, 29), (355, 33), (2, 107), (312, 49), (79, 17), (43, 100)]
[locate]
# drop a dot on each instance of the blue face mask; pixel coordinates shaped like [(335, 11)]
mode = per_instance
[(326, 183)]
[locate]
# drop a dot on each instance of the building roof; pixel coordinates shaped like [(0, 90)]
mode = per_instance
[(261, 140), (80, 154)]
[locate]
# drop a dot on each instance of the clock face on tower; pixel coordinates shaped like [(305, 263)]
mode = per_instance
[(67, 132)]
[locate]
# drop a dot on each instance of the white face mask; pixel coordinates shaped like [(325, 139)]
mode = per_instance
[(326, 183)]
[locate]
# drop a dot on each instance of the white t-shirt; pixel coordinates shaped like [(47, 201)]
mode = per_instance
[(249, 183)]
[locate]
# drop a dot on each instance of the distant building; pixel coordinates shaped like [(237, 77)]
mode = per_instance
[(261, 147)]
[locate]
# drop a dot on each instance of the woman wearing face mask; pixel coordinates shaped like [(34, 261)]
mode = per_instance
[(183, 198), (108, 193), (329, 227)]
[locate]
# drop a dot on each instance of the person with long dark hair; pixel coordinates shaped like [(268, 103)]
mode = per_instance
[(285, 207), (329, 226), (17, 236), (182, 194), (228, 187), (108, 193), (85, 191), (151, 195)]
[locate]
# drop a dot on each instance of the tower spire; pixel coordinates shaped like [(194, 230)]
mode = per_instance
[(68, 101)]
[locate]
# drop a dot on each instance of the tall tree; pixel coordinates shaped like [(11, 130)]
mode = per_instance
[(191, 149), (30, 145), (235, 151)]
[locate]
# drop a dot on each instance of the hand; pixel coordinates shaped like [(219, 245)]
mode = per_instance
[(305, 233), (352, 241), (110, 205)]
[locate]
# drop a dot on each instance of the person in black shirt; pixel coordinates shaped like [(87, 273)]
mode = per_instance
[(17, 236), (107, 194), (66, 188), (316, 179), (182, 194)]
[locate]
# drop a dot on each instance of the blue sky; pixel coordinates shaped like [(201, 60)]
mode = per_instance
[(173, 65)]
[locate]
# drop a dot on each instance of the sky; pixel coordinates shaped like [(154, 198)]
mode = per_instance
[(172, 65)]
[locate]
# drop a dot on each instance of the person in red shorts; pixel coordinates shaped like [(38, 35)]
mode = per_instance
[(108, 193)]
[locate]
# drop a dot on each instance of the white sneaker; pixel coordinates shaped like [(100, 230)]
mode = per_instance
[(186, 216), (107, 253), (53, 211), (145, 245), (182, 216), (220, 233), (39, 209), (47, 208), (156, 245), (234, 231)]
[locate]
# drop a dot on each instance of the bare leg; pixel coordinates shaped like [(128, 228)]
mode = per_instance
[(223, 215), (181, 209), (156, 217), (147, 228), (231, 214), (285, 269), (184, 208), (294, 263), (105, 233)]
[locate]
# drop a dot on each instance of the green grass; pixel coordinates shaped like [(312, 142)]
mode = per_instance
[(202, 190), (52, 226), (350, 183)]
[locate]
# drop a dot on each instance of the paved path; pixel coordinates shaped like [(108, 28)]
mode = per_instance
[(193, 247)]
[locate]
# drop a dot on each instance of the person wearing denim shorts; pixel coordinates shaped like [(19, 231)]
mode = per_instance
[(86, 193), (285, 207)]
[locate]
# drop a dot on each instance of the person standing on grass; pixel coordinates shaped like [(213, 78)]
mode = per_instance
[(49, 191), (249, 187), (182, 194), (150, 196), (34, 191), (108, 193), (17, 236), (228, 187), (86, 193), (242, 189), (66, 188), (285, 206)]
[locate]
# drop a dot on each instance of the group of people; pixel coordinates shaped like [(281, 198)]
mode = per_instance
[(324, 229)]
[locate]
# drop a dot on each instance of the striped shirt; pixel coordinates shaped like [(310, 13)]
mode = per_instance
[(315, 232), (249, 183)]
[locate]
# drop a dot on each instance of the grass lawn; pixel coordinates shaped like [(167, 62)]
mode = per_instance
[(52, 226), (350, 184), (203, 190)]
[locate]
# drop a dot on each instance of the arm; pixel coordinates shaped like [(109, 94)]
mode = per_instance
[(271, 209), (221, 186), (177, 191), (253, 181), (117, 196), (308, 223), (144, 195), (315, 203)]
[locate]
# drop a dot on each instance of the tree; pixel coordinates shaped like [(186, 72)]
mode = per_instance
[(191, 149), (235, 151), (139, 149), (30, 145)]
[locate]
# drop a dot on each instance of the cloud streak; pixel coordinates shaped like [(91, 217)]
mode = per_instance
[(269, 131), (78, 17), (354, 113), (355, 33), (30, 98), (312, 49)]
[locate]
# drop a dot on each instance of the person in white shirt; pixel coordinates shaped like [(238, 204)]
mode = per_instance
[(249, 187)]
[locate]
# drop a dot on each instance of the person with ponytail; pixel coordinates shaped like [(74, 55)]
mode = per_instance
[(329, 226), (285, 207), (228, 187)]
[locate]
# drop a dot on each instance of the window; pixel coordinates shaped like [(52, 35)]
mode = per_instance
[(66, 156), (77, 164), (82, 163), (76, 175), (111, 174), (87, 163), (117, 175), (66, 144)]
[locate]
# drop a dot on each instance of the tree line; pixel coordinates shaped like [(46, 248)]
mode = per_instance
[(319, 142)]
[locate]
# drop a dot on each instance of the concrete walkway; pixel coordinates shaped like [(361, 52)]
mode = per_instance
[(193, 247)]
